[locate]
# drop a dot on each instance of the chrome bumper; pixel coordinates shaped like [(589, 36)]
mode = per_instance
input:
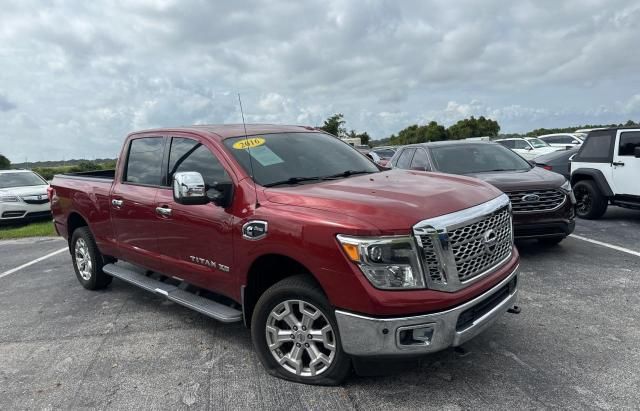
[(368, 336)]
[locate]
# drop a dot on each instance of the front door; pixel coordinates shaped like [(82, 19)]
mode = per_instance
[(626, 166), (132, 200), (195, 240)]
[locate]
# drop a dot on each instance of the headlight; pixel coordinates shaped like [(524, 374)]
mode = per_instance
[(389, 263), (9, 199), (566, 187)]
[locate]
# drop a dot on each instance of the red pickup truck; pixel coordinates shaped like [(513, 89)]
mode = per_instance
[(327, 257)]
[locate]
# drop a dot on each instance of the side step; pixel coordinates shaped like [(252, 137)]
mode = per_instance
[(137, 276)]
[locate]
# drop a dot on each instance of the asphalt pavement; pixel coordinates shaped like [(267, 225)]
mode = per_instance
[(575, 344)]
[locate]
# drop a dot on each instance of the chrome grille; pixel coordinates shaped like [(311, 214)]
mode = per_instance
[(536, 200), (462, 247), (472, 255)]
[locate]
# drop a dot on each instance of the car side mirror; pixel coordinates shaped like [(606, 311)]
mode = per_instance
[(636, 152), (221, 194), (189, 188)]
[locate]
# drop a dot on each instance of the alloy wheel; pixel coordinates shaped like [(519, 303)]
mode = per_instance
[(83, 259)]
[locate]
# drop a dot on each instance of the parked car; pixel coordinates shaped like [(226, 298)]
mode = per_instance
[(606, 171), (542, 201), (385, 153), (527, 147), (558, 161), (562, 140), (329, 260), (23, 196)]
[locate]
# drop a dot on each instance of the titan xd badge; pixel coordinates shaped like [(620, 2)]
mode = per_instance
[(254, 230)]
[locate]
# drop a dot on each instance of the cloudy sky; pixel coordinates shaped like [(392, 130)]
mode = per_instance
[(76, 77)]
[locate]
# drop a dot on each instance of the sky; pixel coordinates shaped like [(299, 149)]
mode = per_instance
[(77, 76)]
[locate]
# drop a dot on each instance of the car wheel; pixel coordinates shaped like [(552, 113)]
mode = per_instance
[(296, 335), (590, 203), (551, 240), (87, 260)]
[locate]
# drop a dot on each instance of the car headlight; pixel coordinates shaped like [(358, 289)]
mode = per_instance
[(566, 187), (9, 199), (389, 263)]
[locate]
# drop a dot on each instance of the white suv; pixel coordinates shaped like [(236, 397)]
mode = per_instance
[(527, 147), (23, 196), (606, 171)]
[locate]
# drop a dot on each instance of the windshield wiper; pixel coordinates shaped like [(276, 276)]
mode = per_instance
[(291, 181), (347, 173)]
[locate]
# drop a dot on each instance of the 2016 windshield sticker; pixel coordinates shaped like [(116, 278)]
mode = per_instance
[(246, 143)]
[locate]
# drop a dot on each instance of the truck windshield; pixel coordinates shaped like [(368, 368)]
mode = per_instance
[(8, 180), (477, 158), (296, 158)]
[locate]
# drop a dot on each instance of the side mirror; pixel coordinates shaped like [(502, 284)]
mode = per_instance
[(189, 188), (636, 152), (221, 194)]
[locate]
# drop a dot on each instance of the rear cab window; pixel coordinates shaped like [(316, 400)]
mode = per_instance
[(144, 161)]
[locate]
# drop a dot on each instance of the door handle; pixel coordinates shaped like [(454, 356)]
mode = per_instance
[(117, 203), (618, 163), (164, 211)]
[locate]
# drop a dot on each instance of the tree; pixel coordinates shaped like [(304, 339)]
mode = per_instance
[(5, 164), (474, 127), (334, 125)]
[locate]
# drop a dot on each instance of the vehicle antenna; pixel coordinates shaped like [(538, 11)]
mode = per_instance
[(246, 137)]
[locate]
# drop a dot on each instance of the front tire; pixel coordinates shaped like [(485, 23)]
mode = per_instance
[(296, 335), (591, 204), (87, 260)]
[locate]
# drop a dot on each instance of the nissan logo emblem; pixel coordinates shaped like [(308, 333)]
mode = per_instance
[(490, 241)]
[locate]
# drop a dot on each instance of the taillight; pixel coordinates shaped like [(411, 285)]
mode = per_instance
[(546, 167), (50, 192)]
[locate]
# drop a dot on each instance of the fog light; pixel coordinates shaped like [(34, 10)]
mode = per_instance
[(415, 335)]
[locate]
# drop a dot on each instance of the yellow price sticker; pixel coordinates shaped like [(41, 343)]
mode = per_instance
[(246, 143)]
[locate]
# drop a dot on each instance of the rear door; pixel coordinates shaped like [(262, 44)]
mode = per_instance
[(195, 240), (132, 199), (626, 166)]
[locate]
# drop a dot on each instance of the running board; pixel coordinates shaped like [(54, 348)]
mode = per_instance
[(137, 276)]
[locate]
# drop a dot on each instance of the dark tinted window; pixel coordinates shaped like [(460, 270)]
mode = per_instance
[(189, 155), (404, 161), (283, 156), (420, 161), (628, 142), (508, 143), (520, 144), (144, 165), (476, 158), (598, 147)]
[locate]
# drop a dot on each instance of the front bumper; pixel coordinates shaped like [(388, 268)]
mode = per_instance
[(20, 211), (370, 336)]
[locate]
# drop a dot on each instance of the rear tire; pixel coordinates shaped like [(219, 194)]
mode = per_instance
[(87, 260), (591, 203), (295, 334)]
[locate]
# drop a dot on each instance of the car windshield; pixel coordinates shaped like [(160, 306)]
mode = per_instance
[(292, 158), (8, 180), (477, 158), (537, 143)]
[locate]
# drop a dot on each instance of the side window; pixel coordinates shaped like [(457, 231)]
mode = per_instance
[(190, 155), (551, 139), (565, 139), (597, 148), (405, 158), (521, 144), (144, 163), (420, 161), (628, 143), (508, 143)]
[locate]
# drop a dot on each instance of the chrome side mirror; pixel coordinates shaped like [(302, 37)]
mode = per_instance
[(189, 188)]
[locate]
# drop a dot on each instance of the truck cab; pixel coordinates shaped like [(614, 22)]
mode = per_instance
[(606, 170)]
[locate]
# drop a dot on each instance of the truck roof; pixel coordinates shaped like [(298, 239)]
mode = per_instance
[(224, 131)]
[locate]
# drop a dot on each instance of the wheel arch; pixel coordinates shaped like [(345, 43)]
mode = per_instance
[(265, 271), (75, 221), (594, 175)]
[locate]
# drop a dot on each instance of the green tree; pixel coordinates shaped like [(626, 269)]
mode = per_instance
[(5, 164), (474, 127), (334, 125)]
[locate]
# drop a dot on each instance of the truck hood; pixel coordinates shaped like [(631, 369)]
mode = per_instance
[(535, 179), (393, 200)]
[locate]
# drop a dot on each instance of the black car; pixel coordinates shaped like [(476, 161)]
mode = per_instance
[(558, 161), (543, 203)]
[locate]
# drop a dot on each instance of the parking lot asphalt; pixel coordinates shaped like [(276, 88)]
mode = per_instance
[(575, 344)]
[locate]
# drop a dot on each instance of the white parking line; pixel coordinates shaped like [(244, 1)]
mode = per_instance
[(612, 246), (37, 260)]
